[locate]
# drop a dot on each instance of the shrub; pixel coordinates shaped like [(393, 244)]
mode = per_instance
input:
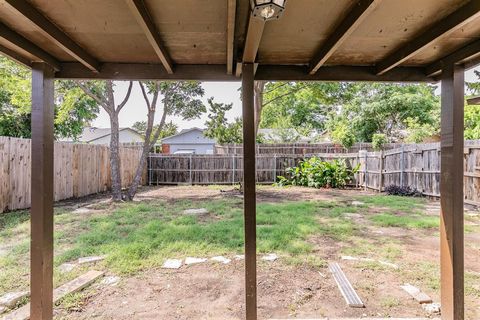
[(395, 190), (316, 173), (378, 140)]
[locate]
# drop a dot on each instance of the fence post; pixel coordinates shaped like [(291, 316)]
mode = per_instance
[(149, 170), (380, 181), (190, 169), (363, 155), (274, 168), (233, 169), (402, 165)]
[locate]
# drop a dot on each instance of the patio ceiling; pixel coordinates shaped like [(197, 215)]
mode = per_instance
[(385, 40)]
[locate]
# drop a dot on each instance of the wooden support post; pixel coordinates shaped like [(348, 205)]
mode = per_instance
[(451, 192), (41, 264), (249, 196)]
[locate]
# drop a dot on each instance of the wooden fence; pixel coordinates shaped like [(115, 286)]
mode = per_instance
[(299, 148), (414, 165), (79, 169)]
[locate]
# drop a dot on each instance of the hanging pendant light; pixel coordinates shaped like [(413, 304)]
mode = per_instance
[(267, 9)]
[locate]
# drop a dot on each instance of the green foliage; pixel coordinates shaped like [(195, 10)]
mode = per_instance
[(169, 129), (341, 132), (73, 109), (218, 127), (302, 104), (472, 122), (418, 132), (316, 173), (378, 141)]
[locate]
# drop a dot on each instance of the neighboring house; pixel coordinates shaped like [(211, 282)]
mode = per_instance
[(188, 141), (102, 135)]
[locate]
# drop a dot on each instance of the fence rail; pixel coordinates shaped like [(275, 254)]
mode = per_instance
[(79, 170), (299, 148), (413, 165)]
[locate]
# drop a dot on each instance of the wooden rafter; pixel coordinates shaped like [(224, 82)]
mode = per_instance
[(231, 12), (464, 53), (15, 56), (143, 18), (445, 26), (55, 34), (28, 46), (353, 19)]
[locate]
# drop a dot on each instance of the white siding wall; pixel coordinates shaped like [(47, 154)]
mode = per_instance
[(126, 136)]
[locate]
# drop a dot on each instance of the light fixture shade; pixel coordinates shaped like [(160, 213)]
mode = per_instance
[(267, 9)]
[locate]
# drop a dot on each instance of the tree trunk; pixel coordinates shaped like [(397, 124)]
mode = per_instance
[(132, 190), (115, 158), (258, 102)]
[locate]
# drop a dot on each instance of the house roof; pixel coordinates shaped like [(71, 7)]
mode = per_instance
[(92, 133), (373, 40), (184, 132)]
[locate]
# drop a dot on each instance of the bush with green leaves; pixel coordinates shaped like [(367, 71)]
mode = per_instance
[(314, 172), (379, 140)]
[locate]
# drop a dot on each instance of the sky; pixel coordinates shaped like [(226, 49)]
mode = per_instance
[(226, 92)]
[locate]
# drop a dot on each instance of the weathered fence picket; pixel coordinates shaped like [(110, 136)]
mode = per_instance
[(413, 165), (79, 169)]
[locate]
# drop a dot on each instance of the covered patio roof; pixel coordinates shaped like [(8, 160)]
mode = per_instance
[(221, 40), (384, 40)]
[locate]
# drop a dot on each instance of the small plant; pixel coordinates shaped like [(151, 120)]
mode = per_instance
[(407, 191), (378, 141), (316, 173)]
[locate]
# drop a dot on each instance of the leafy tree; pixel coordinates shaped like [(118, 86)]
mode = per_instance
[(474, 87), (169, 129), (387, 109), (103, 93), (219, 128), (472, 122), (341, 131), (73, 109), (180, 98), (379, 140), (304, 104)]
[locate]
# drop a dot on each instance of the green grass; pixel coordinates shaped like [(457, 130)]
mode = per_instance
[(414, 221), (136, 236)]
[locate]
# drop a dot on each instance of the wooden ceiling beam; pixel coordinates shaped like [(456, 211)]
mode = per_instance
[(360, 10), (340, 73), (51, 31), (140, 11), (231, 13), (253, 39), (28, 46), (445, 26), (465, 53), (15, 56), (133, 71)]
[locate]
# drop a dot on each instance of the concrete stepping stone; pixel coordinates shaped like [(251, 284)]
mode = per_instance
[(66, 267), (270, 257), (110, 281), (416, 293), (239, 257), (9, 300), (357, 203), (196, 212), (193, 260), (221, 259), (172, 264), (432, 308), (3, 309), (92, 259)]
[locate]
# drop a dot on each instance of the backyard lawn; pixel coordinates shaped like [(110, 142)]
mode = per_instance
[(394, 238)]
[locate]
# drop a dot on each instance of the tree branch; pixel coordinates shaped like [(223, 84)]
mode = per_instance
[(89, 93), (144, 92), (127, 96), (284, 95)]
